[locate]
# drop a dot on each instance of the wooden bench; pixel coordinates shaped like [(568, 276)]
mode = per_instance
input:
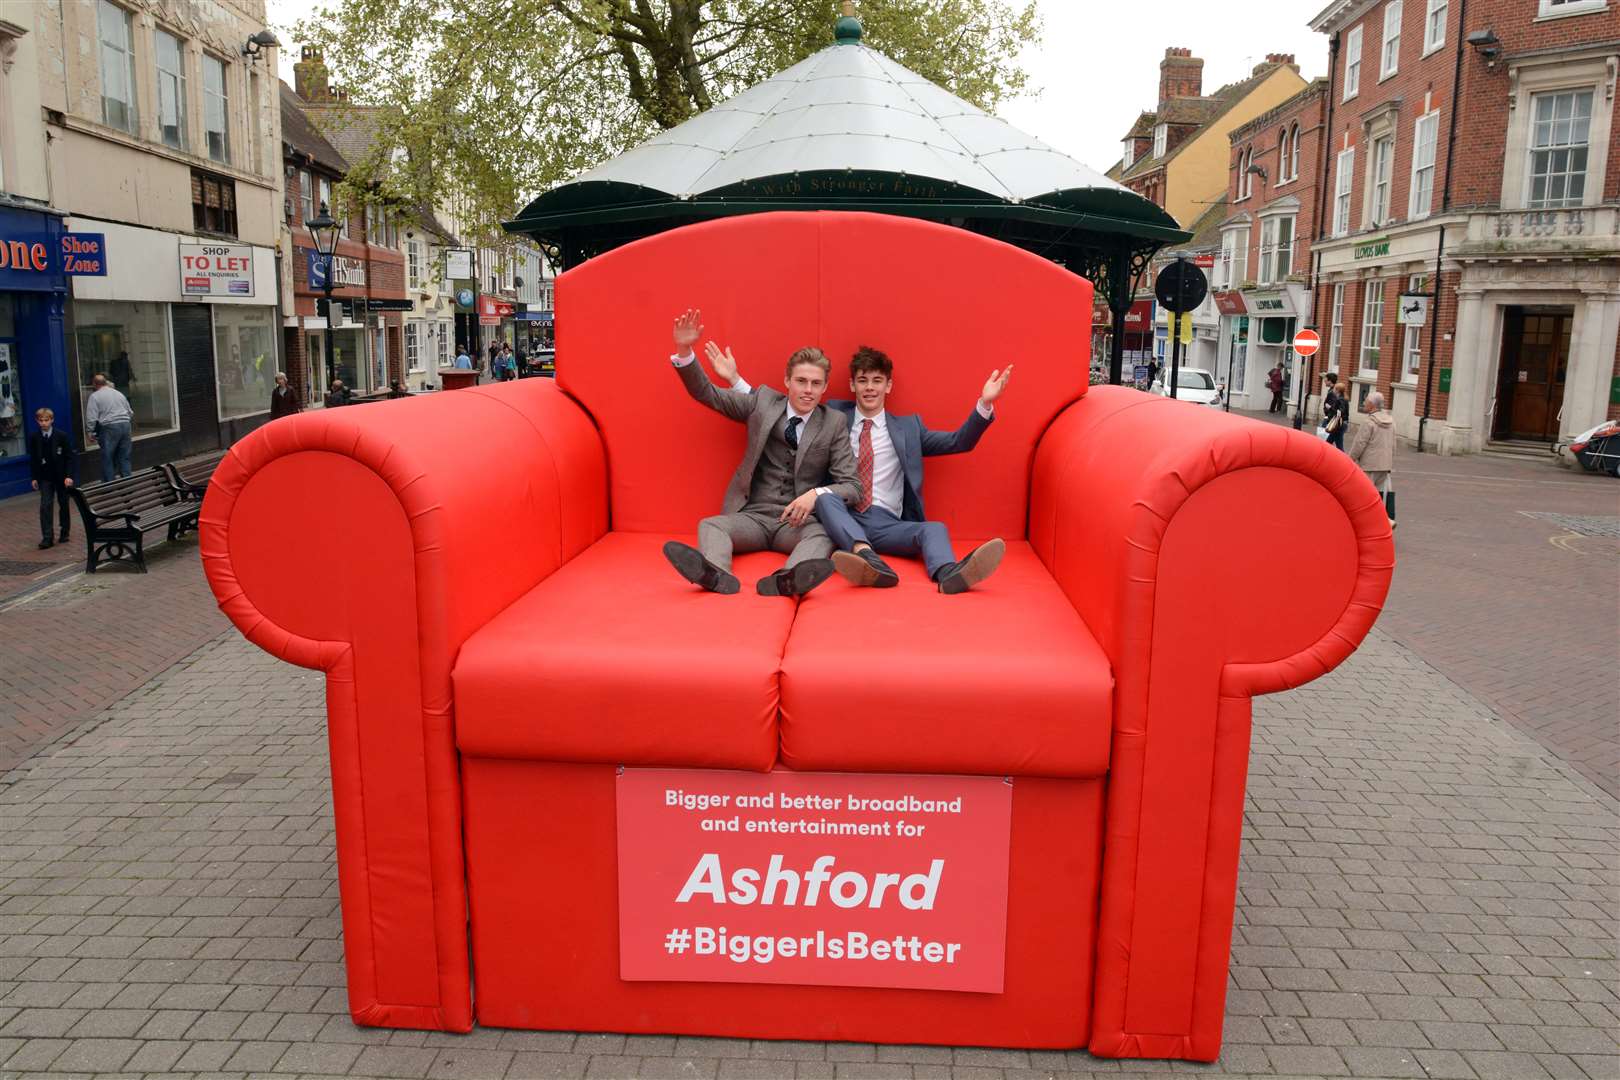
[(190, 477), (118, 513)]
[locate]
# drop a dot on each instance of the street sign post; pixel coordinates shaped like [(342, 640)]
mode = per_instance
[(1307, 341), (1180, 287)]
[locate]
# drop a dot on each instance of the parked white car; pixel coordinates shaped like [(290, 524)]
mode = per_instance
[(1192, 384)]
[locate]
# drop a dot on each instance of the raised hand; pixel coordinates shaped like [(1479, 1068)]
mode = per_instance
[(688, 328), (994, 385), (724, 364)]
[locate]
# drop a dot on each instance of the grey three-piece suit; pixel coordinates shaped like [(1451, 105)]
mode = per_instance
[(772, 474)]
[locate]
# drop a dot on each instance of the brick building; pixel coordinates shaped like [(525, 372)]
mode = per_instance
[(1469, 166), (1261, 279), (369, 301)]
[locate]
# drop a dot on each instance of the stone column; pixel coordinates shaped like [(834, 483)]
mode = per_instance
[(1591, 360), (1470, 364)]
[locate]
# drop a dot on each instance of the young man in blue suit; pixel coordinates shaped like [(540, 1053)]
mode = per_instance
[(888, 450)]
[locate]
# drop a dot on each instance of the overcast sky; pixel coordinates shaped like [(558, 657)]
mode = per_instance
[(1098, 63)]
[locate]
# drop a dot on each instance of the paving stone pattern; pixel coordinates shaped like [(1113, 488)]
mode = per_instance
[(1425, 892)]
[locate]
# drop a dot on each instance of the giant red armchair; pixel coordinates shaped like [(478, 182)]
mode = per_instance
[(480, 579)]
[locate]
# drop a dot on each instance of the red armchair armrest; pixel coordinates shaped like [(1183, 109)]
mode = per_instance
[(369, 543), (1215, 558)]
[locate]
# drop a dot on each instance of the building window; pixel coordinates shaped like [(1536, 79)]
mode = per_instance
[(1560, 126), (374, 224), (171, 89), (446, 329), (326, 197), (1240, 256), (1352, 63), (1434, 25), (1372, 325), (1412, 346), (129, 343), (306, 195), (1425, 136), (1276, 249), (1223, 266), (1282, 155), (413, 347), (413, 263), (213, 203), (216, 109), (1161, 136), (117, 67), (1245, 178), (1551, 8), (1383, 168), (1127, 153), (1336, 327), (1390, 58), (244, 358), (1341, 191)]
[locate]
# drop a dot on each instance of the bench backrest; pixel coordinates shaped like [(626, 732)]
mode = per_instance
[(197, 470), (133, 494), (948, 306)]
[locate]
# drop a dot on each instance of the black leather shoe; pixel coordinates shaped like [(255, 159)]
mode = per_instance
[(689, 562), (45, 543), (63, 538), (977, 565), (796, 580), (865, 568)]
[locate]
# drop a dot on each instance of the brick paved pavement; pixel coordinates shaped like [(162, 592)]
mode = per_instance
[(72, 643), (1425, 892)]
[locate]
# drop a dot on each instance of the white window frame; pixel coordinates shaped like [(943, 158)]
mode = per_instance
[(1227, 259), (1560, 9), (415, 331), (413, 264), (1127, 153), (122, 55), (1389, 54), (1381, 181), (217, 99), (1372, 326), (1336, 327), (447, 330), (306, 195), (1161, 139), (1344, 181), (175, 81), (1282, 156), (1240, 256), (1272, 268), (1434, 25), (1352, 63), (1531, 150), (1424, 155), (1412, 346), (1295, 140)]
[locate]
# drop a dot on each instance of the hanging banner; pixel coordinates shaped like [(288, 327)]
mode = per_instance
[(826, 879)]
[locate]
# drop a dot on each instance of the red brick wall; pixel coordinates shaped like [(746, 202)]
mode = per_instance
[(1261, 137)]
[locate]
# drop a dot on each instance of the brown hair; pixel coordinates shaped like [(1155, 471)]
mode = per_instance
[(867, 358), (809, 355)]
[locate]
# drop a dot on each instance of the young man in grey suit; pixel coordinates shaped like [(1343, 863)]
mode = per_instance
[(798, 451), (888, 519)]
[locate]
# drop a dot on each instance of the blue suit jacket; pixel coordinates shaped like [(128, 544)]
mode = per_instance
[(913, 441)]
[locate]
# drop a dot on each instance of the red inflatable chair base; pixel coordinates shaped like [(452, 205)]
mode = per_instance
[(542, 878)]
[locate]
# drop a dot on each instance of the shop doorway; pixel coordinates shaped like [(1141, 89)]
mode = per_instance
[(1530, 382)]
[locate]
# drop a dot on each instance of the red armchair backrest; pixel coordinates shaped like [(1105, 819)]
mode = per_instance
[(948, 306)]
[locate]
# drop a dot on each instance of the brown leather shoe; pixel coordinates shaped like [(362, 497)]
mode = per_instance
[(866, 569), (977, 565)]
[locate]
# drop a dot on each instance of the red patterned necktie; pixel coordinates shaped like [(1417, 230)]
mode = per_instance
[(863, 465)]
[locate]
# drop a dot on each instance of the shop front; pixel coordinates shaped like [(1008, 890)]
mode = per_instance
[(535, 330), (1139, 332), (1274, 316), (33, 361), (184, 327)]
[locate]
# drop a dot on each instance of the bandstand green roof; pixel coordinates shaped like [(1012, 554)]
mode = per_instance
[(847, 128)]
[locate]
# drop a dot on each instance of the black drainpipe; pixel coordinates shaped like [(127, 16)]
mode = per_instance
[(1321, 234), (1445, 205)]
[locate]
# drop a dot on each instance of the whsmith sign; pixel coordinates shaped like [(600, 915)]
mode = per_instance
[(1372, 249)]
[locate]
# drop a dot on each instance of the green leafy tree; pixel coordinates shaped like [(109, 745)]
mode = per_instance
[(481, 105)]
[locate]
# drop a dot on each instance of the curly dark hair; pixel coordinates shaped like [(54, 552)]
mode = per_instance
[(867, 358)]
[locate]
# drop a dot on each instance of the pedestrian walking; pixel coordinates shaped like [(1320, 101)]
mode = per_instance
[(1339, 423), (1274, 383), (110, 419), (283, 401), (52, 468), (1373, 448)]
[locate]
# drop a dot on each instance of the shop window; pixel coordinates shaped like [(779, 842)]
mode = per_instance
[(1240, 356), (216, 109), (244, 359), (1372, 326), (1390, 58), (379, 358), (213, 203), (13, 405), (117, 66), (1352, 63), (129, 343), (1560, 129), (171, 88)]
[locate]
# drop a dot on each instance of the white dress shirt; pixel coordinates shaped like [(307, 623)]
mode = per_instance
[(888, 484)]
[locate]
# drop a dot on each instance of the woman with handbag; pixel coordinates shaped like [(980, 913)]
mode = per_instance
[(1336, 414)]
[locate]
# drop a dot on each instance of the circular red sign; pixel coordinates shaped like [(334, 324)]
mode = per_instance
[(1306, 342)]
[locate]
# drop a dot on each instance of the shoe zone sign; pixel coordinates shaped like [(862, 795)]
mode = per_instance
[(828, 879)]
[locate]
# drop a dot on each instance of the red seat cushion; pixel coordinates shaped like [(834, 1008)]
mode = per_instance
[(1003, 679), (614, 658)]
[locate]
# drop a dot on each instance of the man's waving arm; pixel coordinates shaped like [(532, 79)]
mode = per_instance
[(966, 437), (731, 403)]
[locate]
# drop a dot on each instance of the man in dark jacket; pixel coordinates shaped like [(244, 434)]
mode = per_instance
[(52, 467)]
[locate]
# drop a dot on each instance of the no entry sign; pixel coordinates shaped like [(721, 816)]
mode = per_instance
[(1306, 342), (830, 879)]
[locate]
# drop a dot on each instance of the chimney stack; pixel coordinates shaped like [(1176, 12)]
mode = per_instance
[(1277, 60), (1181, 74), (309, 76)]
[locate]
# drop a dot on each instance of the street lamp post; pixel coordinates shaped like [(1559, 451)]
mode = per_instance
[(323, 232)]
